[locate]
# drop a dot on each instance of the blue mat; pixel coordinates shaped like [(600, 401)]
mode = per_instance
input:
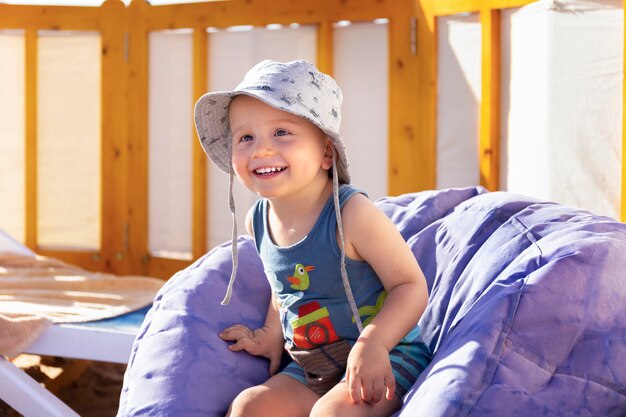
[(126, 322)]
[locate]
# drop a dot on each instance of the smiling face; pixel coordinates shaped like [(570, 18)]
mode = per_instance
[(276, 153)]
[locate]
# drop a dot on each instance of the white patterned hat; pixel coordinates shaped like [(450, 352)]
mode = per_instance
[(296, 87)]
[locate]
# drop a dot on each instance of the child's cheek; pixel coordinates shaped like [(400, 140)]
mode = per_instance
[(239, 165)]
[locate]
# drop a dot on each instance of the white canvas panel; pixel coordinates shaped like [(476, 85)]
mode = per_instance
[(458, 100), (564, 110), (12, 119), (170, 138), (231, 55), (69, 139), (361, 68), (524, 111)]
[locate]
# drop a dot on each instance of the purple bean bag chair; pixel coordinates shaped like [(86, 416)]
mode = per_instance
[(526, 315)]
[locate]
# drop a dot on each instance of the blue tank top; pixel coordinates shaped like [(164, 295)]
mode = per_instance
[(306, 279)]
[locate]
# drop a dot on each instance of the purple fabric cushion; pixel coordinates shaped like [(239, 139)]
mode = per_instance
[(526, 315), (178, 365), (527, 311)]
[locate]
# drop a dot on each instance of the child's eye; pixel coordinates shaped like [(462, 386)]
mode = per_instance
[(281, 132), (245, 138)]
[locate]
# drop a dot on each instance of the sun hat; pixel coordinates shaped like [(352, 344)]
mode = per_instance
[(297, 87)]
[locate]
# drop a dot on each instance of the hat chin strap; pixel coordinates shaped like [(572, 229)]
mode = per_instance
[(235, 257), (344, 273)]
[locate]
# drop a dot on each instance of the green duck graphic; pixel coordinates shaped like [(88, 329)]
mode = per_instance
[(371, 311), (300, 279)]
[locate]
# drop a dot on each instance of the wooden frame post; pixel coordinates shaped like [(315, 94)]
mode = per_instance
[(489, 140), (411, 98), (325, 48), (114, 184), (623, 179), (200, 176), (139, 257), (31, 138)]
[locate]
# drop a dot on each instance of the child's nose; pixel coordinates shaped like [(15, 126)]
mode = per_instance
[(263, 146)]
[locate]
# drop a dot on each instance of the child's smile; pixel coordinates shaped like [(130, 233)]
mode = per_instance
[(269, 170)]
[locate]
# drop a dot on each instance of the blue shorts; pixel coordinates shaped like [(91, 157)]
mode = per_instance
[(407, 362)]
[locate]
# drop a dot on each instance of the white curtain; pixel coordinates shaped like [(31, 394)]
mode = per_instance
[(170, 141), (458, 100), (68, 140), (561, 105), (12, 150)]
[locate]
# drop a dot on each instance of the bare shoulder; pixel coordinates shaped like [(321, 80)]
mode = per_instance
[(371, 236), (361, 211), (366, 228)]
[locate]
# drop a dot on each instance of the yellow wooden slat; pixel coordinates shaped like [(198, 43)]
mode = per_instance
[(138, 139), (114, 138), (89, 260), (49, 17), (623, 186), (263, 12), (325, 49), (200, 180), (31, 138), (412, 80), (450, 7), (489, 143)]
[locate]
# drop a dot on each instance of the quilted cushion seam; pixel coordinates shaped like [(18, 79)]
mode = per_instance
[(555, 370), (508, 324)]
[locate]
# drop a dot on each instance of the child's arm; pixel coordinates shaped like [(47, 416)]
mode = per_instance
[(371, 236), (266, 341)]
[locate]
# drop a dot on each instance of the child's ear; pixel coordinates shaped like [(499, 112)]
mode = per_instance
[(329, 149)]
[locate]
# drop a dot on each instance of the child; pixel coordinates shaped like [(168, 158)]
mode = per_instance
[(331, 257)]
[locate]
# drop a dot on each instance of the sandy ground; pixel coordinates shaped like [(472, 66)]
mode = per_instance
[(92, 389)]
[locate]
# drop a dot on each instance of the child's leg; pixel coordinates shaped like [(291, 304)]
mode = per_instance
[(337, 403), (279, 396)]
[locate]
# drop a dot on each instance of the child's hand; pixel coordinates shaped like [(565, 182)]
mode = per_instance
[(259, 342), (368, 374)]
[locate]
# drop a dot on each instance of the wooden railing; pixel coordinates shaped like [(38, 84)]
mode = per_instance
[(124, 30), (124, 36)]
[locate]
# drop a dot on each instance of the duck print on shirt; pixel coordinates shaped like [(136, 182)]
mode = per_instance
[(312, 327)]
